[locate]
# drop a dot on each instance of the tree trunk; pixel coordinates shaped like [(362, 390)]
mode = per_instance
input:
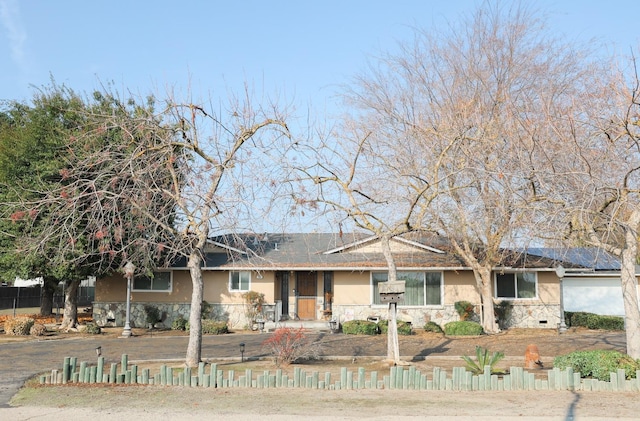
[(393, 346), (483, 278), (48, 290), (70, 315), (194, 349), (629, 285)]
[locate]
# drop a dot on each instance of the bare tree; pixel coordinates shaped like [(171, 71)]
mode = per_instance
[(455, 120), (593, 184), (177, 176)]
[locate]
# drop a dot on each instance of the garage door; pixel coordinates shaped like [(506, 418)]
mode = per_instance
[(594, 295)]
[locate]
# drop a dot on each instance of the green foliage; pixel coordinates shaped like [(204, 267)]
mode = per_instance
[(38, 329), (205, 312), (152, 314), (432, 327), (213, 327), (360, 327), (464, 309), (597, 364), (593, 321), (483, 358), (93, 329), (288, 345), (404, 328), (18, 326), (502, 311), (179, 323), (463, 328)]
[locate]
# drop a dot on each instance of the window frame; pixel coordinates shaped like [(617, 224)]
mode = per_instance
[(239, 289), (424, 285), (152, 289), (515, 285)]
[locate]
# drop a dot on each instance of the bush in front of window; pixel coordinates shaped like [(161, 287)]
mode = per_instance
[(597, 364), (593, 321), (213, 327), (464, 309), (404, 328), (360, 327), (432, 327), (463, 328)]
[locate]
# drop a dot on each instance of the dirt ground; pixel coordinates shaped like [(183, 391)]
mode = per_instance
[(423, 350)]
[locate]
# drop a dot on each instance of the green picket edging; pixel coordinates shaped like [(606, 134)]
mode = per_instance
[(401, 378)]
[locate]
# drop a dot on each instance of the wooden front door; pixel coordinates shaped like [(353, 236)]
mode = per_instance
[(307, 288)]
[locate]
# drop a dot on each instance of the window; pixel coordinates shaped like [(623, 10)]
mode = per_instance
[(159, 281), (239, 281), (421, 288), (516, 285)]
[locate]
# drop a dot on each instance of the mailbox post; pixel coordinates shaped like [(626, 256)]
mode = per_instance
[(392, 293)]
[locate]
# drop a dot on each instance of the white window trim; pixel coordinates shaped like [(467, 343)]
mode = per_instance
[(372, 298), (513, 272), (170, 272), (240, 283)]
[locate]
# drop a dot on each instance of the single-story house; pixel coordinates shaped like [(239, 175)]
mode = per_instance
[(319, 276)]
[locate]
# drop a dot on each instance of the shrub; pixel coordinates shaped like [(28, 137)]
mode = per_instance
[(594, 321), (463, 328), (502, 311), (360, 327), (253, 302), (597, 364), (464, 309), (180, 323), (212, 327), (152, 314), (404, 328), (288, 345), (93, 329), (18, 326), (38, 329), (483, 359), (432, 327), (205, 311)]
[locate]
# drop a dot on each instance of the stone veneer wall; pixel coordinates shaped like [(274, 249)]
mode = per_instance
[(522, 315), (114, 313)]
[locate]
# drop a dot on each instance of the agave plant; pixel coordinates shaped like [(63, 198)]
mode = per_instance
[(483, 359)]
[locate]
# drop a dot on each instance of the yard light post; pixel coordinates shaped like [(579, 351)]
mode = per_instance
[(129, 268), (562, 327), (241, 351)]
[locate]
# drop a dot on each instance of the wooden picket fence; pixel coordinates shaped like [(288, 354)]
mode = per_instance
[(403, 378)]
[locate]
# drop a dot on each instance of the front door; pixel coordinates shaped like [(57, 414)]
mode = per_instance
[(306, 283)]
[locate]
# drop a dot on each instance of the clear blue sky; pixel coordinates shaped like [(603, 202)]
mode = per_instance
[(301, 48)]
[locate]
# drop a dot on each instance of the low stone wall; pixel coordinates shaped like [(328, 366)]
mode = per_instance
[(114, 313)]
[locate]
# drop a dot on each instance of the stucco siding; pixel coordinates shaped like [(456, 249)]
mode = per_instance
[(351, 288)]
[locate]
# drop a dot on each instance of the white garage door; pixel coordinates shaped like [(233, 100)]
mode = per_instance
[(594, 295)]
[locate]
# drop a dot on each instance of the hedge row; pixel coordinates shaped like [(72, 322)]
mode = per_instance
[(593, 321)]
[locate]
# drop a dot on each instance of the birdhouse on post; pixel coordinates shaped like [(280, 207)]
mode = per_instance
[(391, 292)]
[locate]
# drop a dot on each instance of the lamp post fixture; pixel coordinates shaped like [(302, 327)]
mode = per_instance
[(241, 351), (562, 327), (129, 269)]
